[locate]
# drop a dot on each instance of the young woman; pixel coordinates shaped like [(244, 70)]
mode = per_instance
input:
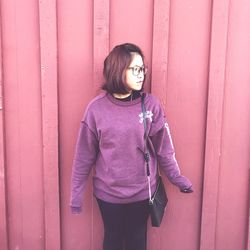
[(111, 140)]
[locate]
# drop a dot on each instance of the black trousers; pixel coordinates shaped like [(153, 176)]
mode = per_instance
[(125, 225)]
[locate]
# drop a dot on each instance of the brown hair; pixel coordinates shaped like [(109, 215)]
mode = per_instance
[(115, 66)]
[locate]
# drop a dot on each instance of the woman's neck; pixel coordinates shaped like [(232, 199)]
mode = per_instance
[(122, 96), (134, 95)]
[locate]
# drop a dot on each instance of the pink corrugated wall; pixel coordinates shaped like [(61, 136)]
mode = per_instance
[(51, 55)]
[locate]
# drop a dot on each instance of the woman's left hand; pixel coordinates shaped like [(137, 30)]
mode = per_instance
[(187, 190)]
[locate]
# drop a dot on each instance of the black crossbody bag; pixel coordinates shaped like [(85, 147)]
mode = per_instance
[(157, 201)]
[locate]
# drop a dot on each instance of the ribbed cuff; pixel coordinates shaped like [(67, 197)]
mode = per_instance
[(76, 210)]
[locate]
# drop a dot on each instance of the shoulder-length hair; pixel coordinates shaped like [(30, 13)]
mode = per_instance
[(115, 66)]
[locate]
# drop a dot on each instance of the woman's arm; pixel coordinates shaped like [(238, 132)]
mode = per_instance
[(164, 149), (85, 156)]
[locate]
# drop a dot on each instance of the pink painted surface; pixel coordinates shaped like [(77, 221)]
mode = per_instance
[(183, 94), (235, 148), (52, 54), (48, 74), (22, 103), (214, 122), (226, 185), (75, 88), (3, 209)]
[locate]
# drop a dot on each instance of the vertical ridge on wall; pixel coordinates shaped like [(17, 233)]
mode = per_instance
[(160, 49), (48, 48), (218, 54), (101, 38), (22, 125), (159, 71), (3, 215), (248, 235)]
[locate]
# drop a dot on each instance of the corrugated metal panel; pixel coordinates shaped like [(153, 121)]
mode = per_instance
[(214, 122), (22, 117), (49, 102), (226, 187), (51, 56), (3, 215), (75, 88)]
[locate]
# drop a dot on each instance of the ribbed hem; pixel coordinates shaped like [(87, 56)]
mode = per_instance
[(100, 194)]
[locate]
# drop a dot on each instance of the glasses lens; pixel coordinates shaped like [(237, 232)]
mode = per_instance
[(137, 70)]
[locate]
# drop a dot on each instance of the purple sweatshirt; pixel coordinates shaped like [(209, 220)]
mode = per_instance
[(111, 140)]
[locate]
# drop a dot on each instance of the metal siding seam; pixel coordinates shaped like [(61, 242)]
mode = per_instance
[(159, 75), (218, 60), (101, 38), (160, 49), (48, 58), (101, 46), (3, 214), (248, 241)]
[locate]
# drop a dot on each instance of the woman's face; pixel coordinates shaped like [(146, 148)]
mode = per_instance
[(135, 73)]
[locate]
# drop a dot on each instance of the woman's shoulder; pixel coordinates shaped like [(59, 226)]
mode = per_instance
[(152, 99), (96, 100), (93, 107)]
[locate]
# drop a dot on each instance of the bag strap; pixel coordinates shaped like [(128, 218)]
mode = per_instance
[(146, 153)]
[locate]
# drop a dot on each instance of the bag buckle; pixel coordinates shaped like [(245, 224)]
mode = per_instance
[(146, 157)]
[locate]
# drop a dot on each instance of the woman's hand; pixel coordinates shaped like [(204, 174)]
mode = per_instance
[(187, 190)]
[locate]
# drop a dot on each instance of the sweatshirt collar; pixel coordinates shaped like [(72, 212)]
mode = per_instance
[(122, 103)]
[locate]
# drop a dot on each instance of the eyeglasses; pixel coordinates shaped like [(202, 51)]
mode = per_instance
[(137, 70)]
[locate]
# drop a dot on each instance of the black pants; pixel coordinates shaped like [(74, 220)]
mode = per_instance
[(125, 225)]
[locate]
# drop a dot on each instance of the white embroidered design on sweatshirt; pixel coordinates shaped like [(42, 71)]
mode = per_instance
[(148, 115)]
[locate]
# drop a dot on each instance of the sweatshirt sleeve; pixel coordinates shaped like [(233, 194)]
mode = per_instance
[(164, 149), (85, 157)]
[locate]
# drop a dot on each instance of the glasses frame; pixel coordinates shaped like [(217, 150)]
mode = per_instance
[(142, 69)]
